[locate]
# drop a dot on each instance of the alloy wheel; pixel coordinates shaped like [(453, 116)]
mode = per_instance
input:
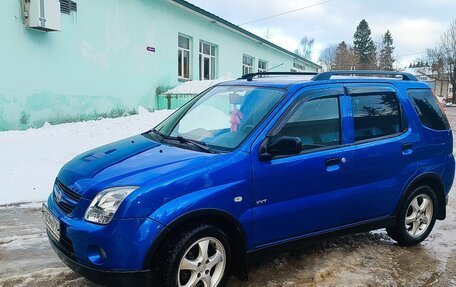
[(419, 215), (203, 264)]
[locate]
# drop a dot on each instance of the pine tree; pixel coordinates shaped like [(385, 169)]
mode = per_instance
[(386, 59), (364, 47)]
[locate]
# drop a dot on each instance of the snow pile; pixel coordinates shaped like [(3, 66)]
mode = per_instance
[(193, 87), (31, 159)]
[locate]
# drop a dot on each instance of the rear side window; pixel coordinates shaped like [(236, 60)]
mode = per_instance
[(315, 122), (428, 109), (376, 116)]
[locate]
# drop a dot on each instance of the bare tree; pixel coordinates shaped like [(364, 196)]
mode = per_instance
[(305, 48), (443, 56), (328, 57), (345, 57)]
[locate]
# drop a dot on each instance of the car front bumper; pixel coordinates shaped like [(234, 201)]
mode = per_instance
[(115, 254), (104, 277)]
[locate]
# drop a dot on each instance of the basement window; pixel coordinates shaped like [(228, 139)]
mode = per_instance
[(68, 6)]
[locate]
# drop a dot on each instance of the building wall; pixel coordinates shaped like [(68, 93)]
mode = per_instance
[(98, 65), (441, 88)]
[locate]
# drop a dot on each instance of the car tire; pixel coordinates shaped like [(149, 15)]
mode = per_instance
[(201, 254), (416, 217)]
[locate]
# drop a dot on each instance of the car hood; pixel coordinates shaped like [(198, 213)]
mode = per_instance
[(130, 162)]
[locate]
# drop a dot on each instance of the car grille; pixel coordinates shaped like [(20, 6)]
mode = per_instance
[(65, 198), (68, 192)]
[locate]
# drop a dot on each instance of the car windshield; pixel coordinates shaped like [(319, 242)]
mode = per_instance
[(222, 117)]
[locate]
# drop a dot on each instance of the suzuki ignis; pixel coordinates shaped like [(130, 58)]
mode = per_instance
[(251, 165)]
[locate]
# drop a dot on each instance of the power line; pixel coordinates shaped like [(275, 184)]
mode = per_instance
[(284, 13), (406, 55)]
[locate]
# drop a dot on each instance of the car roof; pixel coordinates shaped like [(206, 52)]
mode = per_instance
[(284, 80)]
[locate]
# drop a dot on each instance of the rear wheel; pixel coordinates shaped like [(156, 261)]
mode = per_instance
[(199, 257), (416, 218)]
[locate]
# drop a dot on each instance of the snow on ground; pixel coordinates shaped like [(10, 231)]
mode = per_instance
[(31, 159)]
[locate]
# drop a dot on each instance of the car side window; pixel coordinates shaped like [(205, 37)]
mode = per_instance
[(315, 122), (428, 109), (376, 116)]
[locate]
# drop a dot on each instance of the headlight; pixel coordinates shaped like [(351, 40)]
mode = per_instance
[(106, 203)]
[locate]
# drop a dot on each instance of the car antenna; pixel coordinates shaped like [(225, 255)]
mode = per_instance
[(259, 74)]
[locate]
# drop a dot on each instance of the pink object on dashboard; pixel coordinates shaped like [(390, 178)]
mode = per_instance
[(235, 119)]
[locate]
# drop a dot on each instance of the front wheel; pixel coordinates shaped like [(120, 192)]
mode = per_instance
[(199, 257), (416, 218)]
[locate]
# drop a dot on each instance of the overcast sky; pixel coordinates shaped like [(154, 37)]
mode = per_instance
[(415, 24)]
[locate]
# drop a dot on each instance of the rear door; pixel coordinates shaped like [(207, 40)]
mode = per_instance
[(383, 150), (305, 193)]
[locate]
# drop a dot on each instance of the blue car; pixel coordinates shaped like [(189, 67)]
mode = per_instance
[(263, 163)]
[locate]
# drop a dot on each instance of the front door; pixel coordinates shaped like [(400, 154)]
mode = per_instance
[(305, 193)]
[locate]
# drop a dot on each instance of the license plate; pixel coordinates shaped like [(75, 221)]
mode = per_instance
[(52, 223)]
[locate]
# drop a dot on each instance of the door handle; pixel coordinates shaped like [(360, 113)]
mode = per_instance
[(407, 148), (332, 161), (333, 164)]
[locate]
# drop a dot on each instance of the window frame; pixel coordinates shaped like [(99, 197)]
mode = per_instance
[(307, 96), (403, 116), (262, 70), (249, 68), (181, 50), (212, 60)]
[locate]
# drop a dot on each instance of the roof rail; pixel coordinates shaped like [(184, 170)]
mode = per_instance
[(327, 75), (250, 76)]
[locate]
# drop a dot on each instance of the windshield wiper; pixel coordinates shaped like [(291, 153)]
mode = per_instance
[(201, 145)]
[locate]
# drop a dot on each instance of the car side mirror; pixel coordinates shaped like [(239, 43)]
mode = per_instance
[(284, 145)]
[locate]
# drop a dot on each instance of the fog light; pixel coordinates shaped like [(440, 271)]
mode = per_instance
[(96, 255)]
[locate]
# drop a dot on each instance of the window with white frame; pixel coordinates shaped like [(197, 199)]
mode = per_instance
[(262, 66), (299, 65), (183, 58), (207, 59), (247, 64)]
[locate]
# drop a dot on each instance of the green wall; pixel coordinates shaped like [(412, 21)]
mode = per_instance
[(98, 65)]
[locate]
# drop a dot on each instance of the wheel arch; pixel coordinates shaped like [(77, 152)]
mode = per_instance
[(435, 182), (220, 218)]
